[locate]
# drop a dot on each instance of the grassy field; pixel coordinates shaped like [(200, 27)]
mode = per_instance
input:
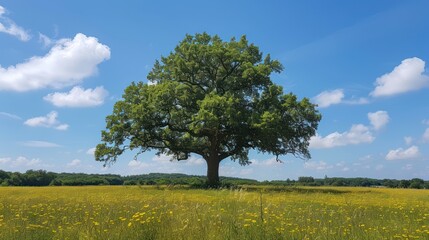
[(107, 212)]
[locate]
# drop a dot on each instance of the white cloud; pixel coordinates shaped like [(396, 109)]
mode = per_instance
[(74, 163), (328, 98), (9, 27), (9, 115), (400, 154), (90, 151), (40, 144), (321, 165), (268, 162), (134, 163), (78, 97), (62, 127), (162, 158), (195, 161), (246, 172), (407, 76), (66, 64), (22, 164), (378, 119), (5, 160), (356, 135), (426, 135), (23, 161), (409, 140), (45, 40), (139, 167), (229, 170), (48, 121)]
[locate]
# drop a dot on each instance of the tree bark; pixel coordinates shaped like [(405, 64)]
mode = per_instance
[(213, 172)]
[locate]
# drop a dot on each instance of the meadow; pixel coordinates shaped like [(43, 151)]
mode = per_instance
[(121, 212)]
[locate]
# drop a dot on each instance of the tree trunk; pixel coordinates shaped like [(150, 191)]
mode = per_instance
[(213, 172)]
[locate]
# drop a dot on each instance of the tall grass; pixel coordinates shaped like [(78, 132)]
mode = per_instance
[(108, 212)]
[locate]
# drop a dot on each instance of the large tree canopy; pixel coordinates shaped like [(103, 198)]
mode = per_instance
[(211, 98)]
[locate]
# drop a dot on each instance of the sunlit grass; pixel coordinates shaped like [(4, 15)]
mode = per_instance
[(108, 212)]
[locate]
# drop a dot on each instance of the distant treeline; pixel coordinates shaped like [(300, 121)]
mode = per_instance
[(416, 183), (44, 178)]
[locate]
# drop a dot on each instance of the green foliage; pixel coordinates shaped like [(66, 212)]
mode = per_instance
[(305, 179), (211, 98), (3, 175), (29, 178), (43, 178), (37, 178), (80, 179), (55, 182), (404, 183)]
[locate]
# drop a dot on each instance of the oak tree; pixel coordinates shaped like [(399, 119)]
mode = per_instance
[(213, 98)]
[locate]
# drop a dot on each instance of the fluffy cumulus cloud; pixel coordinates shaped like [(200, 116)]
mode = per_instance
[(5, 160), (48, 121), (74, 163), (400, 154), (9, 27), (20, 162), (328, 98), (356, 135), (138, 165), (407, 76), (195, 161), (78, 97), (67, 64), (90, 151), (378, 119), (337, 96), (23, 161)]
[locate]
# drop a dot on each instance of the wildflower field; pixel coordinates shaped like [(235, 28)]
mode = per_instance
[(119, 212)]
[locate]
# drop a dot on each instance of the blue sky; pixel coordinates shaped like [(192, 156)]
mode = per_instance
[(63, 64)]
